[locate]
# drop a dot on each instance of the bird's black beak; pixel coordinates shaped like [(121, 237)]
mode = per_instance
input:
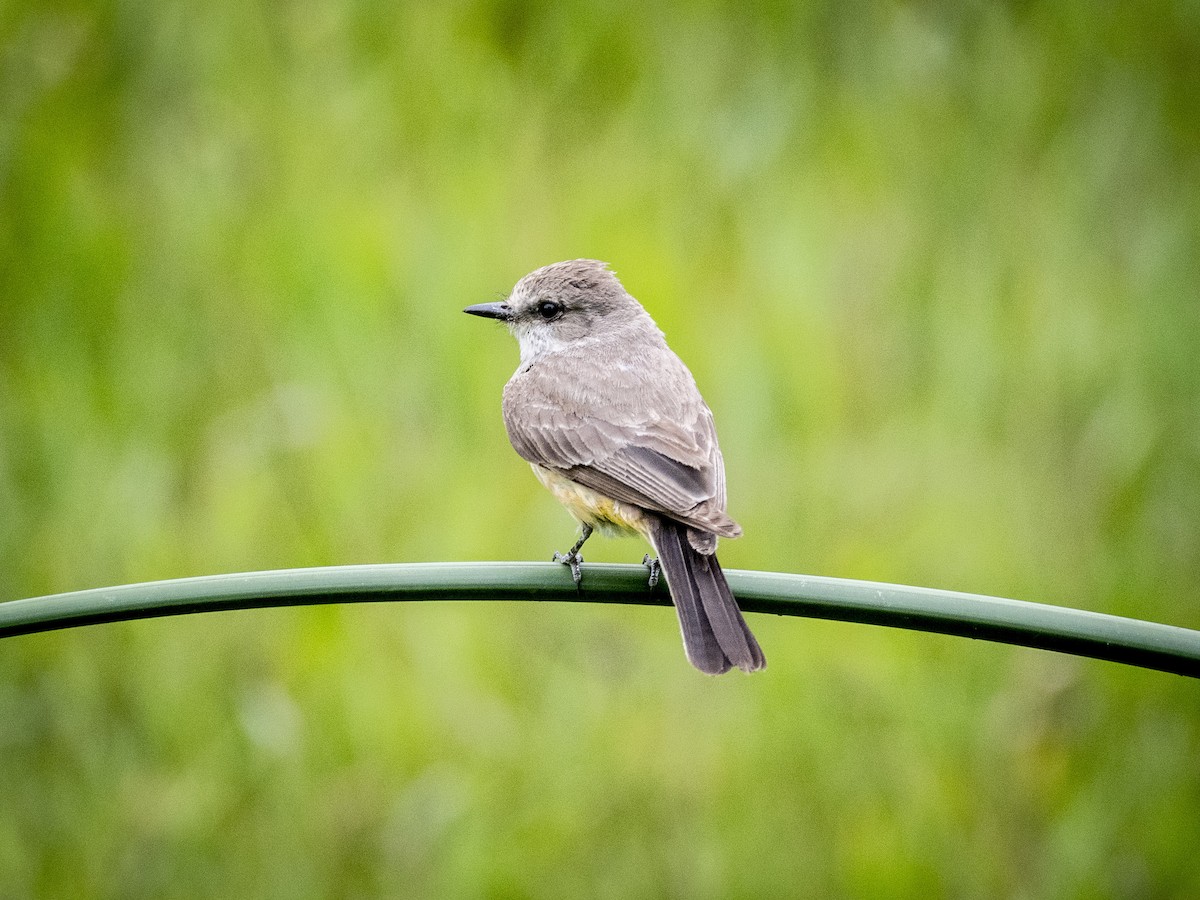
[(501, 311)]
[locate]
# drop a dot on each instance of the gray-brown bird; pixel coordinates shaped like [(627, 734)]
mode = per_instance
[(613, 424)]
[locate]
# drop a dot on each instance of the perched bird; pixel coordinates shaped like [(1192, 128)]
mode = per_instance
[(613, 424)]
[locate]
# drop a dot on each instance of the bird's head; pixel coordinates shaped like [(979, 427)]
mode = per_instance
[(561, 304)]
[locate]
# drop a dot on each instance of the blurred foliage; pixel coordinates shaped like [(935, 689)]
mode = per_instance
[(935, 269)]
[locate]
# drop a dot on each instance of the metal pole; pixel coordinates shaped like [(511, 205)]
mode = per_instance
[(1131, 641)]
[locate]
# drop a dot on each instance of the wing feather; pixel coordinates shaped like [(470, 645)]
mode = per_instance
[(649, 443)]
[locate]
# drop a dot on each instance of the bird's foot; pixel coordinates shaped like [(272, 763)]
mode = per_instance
[(655, 567), (572, 559)]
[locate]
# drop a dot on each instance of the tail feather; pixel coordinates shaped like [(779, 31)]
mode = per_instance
[(715, 636), (699, 642), (730, 628)]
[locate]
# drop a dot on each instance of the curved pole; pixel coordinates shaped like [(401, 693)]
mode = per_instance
[(1074, 631)]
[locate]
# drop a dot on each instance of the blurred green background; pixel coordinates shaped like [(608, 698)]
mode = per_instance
[(935, 269)]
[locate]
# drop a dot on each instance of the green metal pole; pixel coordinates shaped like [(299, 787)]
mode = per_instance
[(1147, 644)]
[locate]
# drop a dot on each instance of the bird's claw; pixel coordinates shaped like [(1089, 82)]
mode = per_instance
[(655, 567), (574, 560)]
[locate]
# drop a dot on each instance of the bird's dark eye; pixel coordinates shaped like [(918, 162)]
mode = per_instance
[(548, 310)]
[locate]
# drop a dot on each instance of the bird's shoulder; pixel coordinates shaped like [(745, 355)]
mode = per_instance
[(593, 404), (609, 380)]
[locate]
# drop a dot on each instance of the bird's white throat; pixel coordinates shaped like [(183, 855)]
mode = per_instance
[(536, 340)]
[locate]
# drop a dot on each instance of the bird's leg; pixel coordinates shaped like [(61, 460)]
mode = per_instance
[(655, 567), (571, 557)]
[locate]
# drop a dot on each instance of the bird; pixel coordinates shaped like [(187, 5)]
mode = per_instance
[(613, 424)]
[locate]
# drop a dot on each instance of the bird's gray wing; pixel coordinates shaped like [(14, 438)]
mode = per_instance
[(650, 444)]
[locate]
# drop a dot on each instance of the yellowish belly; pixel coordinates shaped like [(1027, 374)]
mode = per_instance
[(590, 508)]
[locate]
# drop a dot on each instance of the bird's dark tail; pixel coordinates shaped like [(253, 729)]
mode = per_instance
[(715, 636)]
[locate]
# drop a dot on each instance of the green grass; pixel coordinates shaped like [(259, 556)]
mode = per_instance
[(934, 269)]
